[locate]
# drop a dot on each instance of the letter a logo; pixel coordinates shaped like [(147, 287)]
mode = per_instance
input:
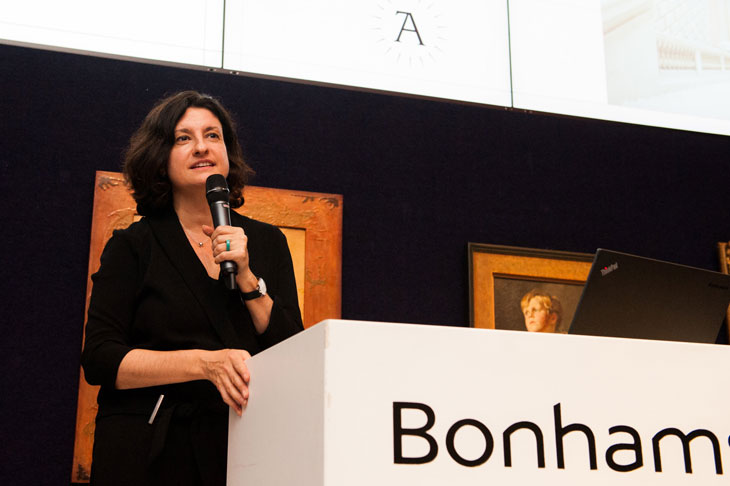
[(412, 28)]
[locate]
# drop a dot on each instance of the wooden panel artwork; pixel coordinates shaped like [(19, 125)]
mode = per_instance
[(312, 223), (723, 254)]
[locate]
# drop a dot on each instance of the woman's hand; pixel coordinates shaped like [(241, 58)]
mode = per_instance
[(227, 370), (229, 243)]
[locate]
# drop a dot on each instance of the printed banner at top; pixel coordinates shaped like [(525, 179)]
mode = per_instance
[(438, 48), (186, 31)]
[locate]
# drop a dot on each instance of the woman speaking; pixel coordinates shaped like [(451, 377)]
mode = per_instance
[(165, 338)]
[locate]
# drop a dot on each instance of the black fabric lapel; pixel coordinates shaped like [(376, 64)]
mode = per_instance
[(212, 299)]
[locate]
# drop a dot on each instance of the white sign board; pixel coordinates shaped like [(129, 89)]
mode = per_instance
[(367, 403), (653, 62), (456, 49), (180, 31)]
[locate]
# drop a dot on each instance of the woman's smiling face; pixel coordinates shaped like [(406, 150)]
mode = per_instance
[(198, 152)]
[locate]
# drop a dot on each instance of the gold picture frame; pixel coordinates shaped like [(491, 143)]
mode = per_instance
[(723, 256), (500, 276)]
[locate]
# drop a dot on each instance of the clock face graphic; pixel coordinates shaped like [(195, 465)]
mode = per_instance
[(409, 33)]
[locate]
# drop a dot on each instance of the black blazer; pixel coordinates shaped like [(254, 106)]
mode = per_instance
[(152, 292)]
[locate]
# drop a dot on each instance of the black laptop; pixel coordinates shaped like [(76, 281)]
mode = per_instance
[(635, 297)]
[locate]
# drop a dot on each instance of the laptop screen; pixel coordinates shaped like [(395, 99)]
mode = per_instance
[(635, 297)]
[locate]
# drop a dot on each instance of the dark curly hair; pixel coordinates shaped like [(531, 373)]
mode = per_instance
[(146, 158)]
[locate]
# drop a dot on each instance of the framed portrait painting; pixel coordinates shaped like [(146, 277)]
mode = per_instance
[(525, 289)]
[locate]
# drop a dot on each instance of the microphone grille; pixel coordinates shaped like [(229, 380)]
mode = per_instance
[(216, 188)]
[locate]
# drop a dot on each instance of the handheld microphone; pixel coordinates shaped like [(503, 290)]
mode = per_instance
[(217, 193)]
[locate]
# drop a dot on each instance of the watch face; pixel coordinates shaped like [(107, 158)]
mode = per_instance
[(262, 286)]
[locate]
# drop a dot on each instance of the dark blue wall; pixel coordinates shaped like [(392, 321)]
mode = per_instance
[(420, 179)]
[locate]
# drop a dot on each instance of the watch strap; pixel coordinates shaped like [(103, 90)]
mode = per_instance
[(254, 294)]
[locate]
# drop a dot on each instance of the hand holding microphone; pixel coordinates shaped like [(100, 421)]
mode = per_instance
[(217, 194), (231, 243)]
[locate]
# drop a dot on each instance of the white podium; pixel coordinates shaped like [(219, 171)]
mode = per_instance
[(357, 403)]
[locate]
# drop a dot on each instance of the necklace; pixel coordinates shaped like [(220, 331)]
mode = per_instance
[(192, 238)]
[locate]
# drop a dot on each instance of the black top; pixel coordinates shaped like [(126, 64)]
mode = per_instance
[(152, 292)]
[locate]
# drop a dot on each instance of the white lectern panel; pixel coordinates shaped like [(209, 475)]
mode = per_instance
[(355, 403)]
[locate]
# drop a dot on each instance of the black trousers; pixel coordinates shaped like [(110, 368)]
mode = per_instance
[(182, 449)]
